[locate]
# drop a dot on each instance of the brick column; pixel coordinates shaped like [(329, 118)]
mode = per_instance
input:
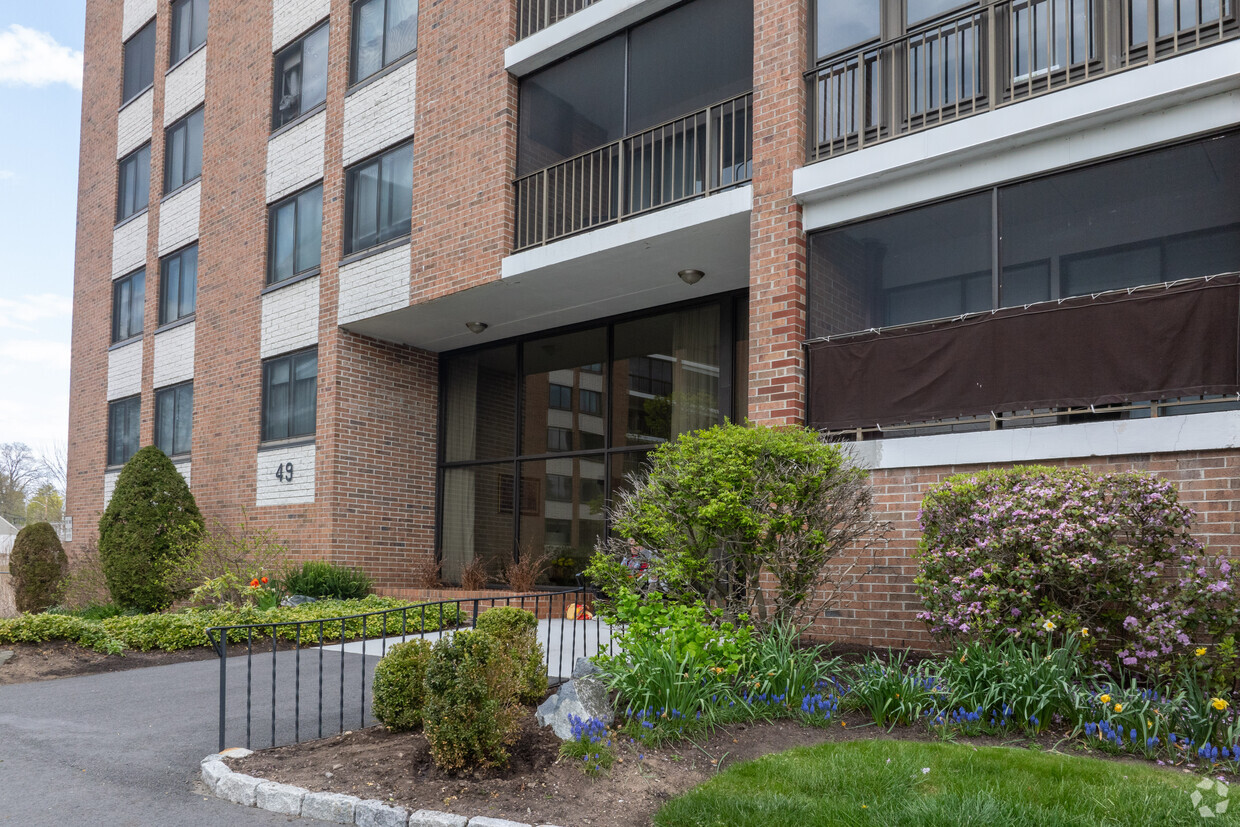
[(777, 304)]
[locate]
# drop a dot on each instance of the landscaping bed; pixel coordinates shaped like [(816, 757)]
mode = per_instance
[(61, 659)]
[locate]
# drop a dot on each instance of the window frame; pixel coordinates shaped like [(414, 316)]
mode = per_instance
[(297, 43), (163, 394), (385, 63), (272, 208), (264, 424), (132, 411), (181, 126), (117, 285), (350, 206), (121, 215), (147, 28), (173, 58), (164, 261)]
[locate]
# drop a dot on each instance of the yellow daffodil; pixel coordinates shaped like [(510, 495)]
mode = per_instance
[(1106, 699), (1218, 703), (1084, 633), (1048, 626), (1201, 650), (1119, 707)]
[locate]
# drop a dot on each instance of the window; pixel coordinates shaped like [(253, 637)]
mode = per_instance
[(128, 294), (139, 71), (560, 397), (559, 488), (301, 78), (590, 402), (189, 28), (123, 418), (384, 31), (379, 199), (174, 418), (178, 285), (294, 235), (559, 439), (183, 151), (289, 395), (133, 190)]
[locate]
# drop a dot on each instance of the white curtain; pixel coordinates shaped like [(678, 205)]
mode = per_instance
[(695, 377), (458, 483)]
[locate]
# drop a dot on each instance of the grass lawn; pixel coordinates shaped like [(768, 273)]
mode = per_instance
[(885, 783)]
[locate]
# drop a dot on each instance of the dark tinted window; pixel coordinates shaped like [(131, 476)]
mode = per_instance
[(128, 295), (139, 58), (183, 151), (123, 418), (845, 23), (174, 418), (295, 231), (289, 395), (178, 284), (189, 27), (133, 190), (383, 32), (301, 78), (480, 397), (379, 199)]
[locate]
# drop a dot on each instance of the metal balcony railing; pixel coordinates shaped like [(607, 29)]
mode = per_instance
[(536, 15), (993, 55), (700, 154)]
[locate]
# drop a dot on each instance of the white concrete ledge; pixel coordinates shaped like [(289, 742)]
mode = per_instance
[(1188, 95), (1166, 434), (578, 30)]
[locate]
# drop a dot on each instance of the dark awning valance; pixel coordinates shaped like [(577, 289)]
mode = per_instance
[(1153, 343)]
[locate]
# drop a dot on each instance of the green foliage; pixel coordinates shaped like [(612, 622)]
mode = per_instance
[(680, 629), (590, 747), (98, 611), (38, 564), (220, 565), (893, 692), (38, 628), (775, 666), (471, 713), (142, 530), (398, 687), (719, 507), (317, 578), (517, 631)]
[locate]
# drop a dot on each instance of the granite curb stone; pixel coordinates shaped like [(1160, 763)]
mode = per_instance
[(279, 798), (238, 788), (484, 821), (337, 808), (371, 813), (434, 818)]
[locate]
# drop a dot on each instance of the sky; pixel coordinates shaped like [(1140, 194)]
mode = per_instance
[(40, 112)]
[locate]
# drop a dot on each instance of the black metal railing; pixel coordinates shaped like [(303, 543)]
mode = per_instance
[(993, 55), (699, 154), (536, 15), (338, 679)]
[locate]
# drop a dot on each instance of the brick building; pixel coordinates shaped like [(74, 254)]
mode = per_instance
[(406, 281)]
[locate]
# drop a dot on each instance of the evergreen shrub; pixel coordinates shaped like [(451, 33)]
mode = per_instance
[(398, 688), (471, 715), (517, 632), (38, 564)]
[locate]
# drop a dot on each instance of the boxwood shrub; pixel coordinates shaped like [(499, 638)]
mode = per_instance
[(398, 688), (471, 715), (38, 564), (517, 632)]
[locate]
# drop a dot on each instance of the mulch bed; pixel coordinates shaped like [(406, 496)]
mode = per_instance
[(538, 787)]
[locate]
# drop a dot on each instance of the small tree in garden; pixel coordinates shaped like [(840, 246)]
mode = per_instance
[(144, 530), (1028, 550), (753, 519), (38, 564)]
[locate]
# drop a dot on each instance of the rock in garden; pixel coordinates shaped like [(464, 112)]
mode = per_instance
[(583, 698), (297, 600), (5, 655), (585, 668)]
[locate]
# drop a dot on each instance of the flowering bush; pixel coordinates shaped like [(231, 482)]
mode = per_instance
[(1028, 550), (590, 744)]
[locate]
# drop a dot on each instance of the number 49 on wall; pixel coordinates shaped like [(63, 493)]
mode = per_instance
[(284, 473)]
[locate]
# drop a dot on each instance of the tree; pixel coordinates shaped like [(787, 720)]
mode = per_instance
[(19, 473), (46, 505)]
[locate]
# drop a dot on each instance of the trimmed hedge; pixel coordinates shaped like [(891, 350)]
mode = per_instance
[(399, 686), (471, 715), (517, 631), (38, 564)]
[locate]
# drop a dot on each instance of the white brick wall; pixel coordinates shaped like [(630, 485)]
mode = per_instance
[(129, 246), (109, 485), (184, 469), (295, 157), (125, 370), (133, 124), (271, 490), (137, 13), (379, 115), (186, 86), (376, 284), (290, 318), (174, 355), (178, 218), (290, 18)]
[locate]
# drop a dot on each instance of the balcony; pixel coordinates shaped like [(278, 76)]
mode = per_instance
[(536, 15), (993, 55), (708, 151)]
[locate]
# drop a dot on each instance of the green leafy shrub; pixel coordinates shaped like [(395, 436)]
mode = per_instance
[(317, 578), (219, 564), (892, 691), (680, 629), (517, 631), (142, 530), (719, 508), (38, 628), (38, 564), (471, 712), (99, 611), (777, 667), (1026, 550), (398, 689)]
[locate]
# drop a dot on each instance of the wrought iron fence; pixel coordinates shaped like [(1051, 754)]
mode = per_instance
[(536, 15), (702, 153), (994, 55), (332, 660)]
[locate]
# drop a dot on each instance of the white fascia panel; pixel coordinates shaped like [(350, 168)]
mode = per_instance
[(578, 30)]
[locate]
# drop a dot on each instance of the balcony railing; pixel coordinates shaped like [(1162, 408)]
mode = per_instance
[(536, 15), (994, 55), (706, 152)]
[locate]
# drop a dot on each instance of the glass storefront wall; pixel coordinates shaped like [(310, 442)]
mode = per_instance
[(537, 434)]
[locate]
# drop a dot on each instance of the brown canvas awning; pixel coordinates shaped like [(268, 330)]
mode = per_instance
[(1151, 344)]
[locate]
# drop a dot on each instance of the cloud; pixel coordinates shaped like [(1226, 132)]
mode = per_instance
[(47, 354), (7, 174), (26, 312), (29, 57)]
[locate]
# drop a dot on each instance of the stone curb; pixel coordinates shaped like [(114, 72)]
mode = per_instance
[(335, 808)]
